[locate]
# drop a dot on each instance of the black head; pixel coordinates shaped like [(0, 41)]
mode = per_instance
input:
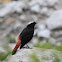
[(31, 24)]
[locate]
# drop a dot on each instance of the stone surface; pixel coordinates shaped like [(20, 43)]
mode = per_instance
[(11, 8), (57, 34), (43, 32), (7, 9), (23, 18), (42, 2), (23, 55), (9, 21), (35, 8), (55, 20), (2, 50), (52, 2), (44, 11)]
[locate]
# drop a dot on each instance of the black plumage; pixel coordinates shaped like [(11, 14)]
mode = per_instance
[(27, 34)]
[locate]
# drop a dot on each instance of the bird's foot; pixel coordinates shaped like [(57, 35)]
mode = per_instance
[(27, 47)]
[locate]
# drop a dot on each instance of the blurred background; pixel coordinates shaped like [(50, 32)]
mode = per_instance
[(15, 16)]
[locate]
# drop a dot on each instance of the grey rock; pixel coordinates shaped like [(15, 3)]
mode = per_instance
[(56, 34), (51, 3), (48, 3), (58, 44), (44, 11), (43, 32), (40, 2), (55, 20), (19, 5), (23, 18), (32, 2), (7, 9), (21, 56), (34, 18), (17, 25), (2, 50), (52, 40), (35, 8), (43, 55), (41, 27), (12, 7), (59, 40), (1, 20)]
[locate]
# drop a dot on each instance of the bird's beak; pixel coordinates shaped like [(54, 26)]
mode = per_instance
[(17, 46)]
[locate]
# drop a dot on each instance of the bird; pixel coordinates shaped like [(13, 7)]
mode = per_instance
[(25, 36)]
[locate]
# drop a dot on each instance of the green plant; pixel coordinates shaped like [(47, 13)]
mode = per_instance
[(56, 59), (12, 38), (3, 56), (34, 58), (54, 50), (59, 48), (48, 45)]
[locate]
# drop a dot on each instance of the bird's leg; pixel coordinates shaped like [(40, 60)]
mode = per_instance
[(27, 47)]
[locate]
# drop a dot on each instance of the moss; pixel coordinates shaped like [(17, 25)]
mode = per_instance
[(56, 58), (12, 38), (34, 58), (3, 56), (48, 45), (59, 48)]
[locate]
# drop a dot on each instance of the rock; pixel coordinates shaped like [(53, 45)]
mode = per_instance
[(59, 40), (52, 40), (11, 8), (43, 32), (32, 2), (2, 50), (7, 9), (44, 11), (35, 8), (41, 27), (51, 3), (50, 11), (9, 21), (17, 25), (55, 20), (19, 5), (42, 2), (58, 43), (56, 34), (1, 20), (48, 55), (34, 18), (21, 56), (23, 18)]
